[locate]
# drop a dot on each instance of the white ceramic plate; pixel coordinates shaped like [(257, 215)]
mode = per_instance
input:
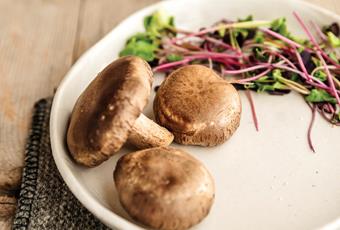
[(264, 180)]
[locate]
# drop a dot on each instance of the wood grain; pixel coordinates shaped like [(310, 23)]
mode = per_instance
[(36, 43), (6, 224), (97, 18), (39, 41)]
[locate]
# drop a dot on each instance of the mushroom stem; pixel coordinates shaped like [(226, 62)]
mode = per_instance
[(146, 134)]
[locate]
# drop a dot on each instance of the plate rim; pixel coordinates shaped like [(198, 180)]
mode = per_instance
[(107, 216), (71, 181)]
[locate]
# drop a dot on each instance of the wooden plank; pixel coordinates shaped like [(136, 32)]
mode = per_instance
[(6, 224), (39, 41), (99, 17), (36, 42)]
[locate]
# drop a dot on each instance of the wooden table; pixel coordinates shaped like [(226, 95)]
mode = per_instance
[(39, 42)]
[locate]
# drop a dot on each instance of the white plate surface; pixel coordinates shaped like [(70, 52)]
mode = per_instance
[(264, 180)]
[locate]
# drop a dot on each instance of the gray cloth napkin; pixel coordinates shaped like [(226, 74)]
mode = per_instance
[(45, 202)]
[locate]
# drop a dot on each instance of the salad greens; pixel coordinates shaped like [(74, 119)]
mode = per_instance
[(146, 44), (279, 25), (141, 45), (320, 95), (256, 55), (333, 40)]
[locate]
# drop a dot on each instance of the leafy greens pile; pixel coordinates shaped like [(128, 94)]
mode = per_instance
[(262, 56)]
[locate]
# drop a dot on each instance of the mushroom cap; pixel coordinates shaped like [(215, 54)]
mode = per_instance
[(107, 109), (164, 188), (197, 106)]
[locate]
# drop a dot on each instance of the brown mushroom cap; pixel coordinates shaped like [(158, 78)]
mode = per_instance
[(164, 188), (107, 109), (198, 106)]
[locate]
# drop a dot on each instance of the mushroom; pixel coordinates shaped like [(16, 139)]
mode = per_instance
[(198, 106), (164, 188), (108, 113)]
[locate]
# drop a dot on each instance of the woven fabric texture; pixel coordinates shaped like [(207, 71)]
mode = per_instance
[(45, 202)]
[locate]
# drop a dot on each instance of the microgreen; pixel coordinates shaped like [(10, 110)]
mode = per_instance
[(174, 57), (259, 37), (145, 44), (320, 95), (321, 75), (259, 55), (157, 22), (333, 56), (140, 45), (333, 40), (279, 26)]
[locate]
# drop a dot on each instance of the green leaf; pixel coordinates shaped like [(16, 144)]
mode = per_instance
[(321, 75), (271, 87), (262, 88), (221, 32), (259, 37), (333, 40), (333, 56), (141, 46), (300, 49), (277, 74), (174, 57), (316, 62), (339, 116), (320, 95), (242, 32), (259, 55), (148, 22), (247, 19), (263, 85), (279, 85), (143, 37), (299, 40), (263, 79), (294, 77), (157, 22), (172, 21), (279, 26), (145, 44)]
